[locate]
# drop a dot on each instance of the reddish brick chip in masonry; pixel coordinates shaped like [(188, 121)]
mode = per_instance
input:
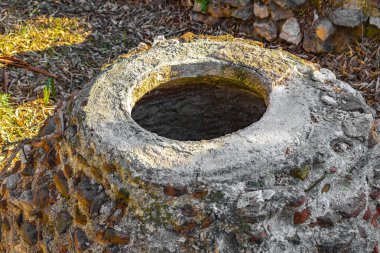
[(210, 145)]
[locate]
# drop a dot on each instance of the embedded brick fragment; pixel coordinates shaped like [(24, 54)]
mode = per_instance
[(175, 191), (301, 217)]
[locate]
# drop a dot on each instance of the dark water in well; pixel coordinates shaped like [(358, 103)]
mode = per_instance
[(195, 112)]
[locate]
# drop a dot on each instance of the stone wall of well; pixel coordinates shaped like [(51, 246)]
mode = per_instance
[(317, 25), (314, 186)]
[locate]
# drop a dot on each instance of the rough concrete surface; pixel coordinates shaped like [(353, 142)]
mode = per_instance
[(304, 178)]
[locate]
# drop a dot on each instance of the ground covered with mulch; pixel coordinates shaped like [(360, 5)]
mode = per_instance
[(75, 39)]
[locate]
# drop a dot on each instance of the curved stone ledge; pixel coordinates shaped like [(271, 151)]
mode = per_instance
[(304, 178)]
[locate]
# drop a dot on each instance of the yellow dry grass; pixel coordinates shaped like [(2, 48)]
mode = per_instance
[(42, 33), (18, 122)]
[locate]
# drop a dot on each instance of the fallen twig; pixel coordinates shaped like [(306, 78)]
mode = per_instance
[(23, 64)]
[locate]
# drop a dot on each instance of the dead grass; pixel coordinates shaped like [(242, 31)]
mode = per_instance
[(18, 122)]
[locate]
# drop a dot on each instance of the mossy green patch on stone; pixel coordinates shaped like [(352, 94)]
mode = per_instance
[(215, 196), (152, 81), (258, 183), (301, 173), (372, 32)]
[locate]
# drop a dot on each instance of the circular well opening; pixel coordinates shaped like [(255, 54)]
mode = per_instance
[(199, 108)]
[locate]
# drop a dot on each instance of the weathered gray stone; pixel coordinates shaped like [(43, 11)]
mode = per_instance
[(375, 21), (291, 31), (323, 75), (11, 182), (277, 13), (244, 14), (254, 197), (357, 128), (260, 10), (268, 30), (348, 17), (329, 100)]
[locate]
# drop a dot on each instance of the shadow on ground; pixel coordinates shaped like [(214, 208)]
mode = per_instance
[(110, 28)]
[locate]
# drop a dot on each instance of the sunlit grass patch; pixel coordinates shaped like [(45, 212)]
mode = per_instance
[(42, 33), (20, 122)]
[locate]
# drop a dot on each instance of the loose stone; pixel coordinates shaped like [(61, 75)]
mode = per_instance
[(375, 21), (277, 13), (347, 17), (260, 10), (268, 30), (244, 14), (291, 31), (324, 29)]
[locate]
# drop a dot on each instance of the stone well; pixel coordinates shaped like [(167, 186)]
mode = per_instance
[(209, 145)]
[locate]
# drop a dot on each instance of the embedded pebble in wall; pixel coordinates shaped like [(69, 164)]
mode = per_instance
[(268, 30), (324, 29), (375, 21), (291, 31), (260, 10), (348, 17), (329, 100)]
